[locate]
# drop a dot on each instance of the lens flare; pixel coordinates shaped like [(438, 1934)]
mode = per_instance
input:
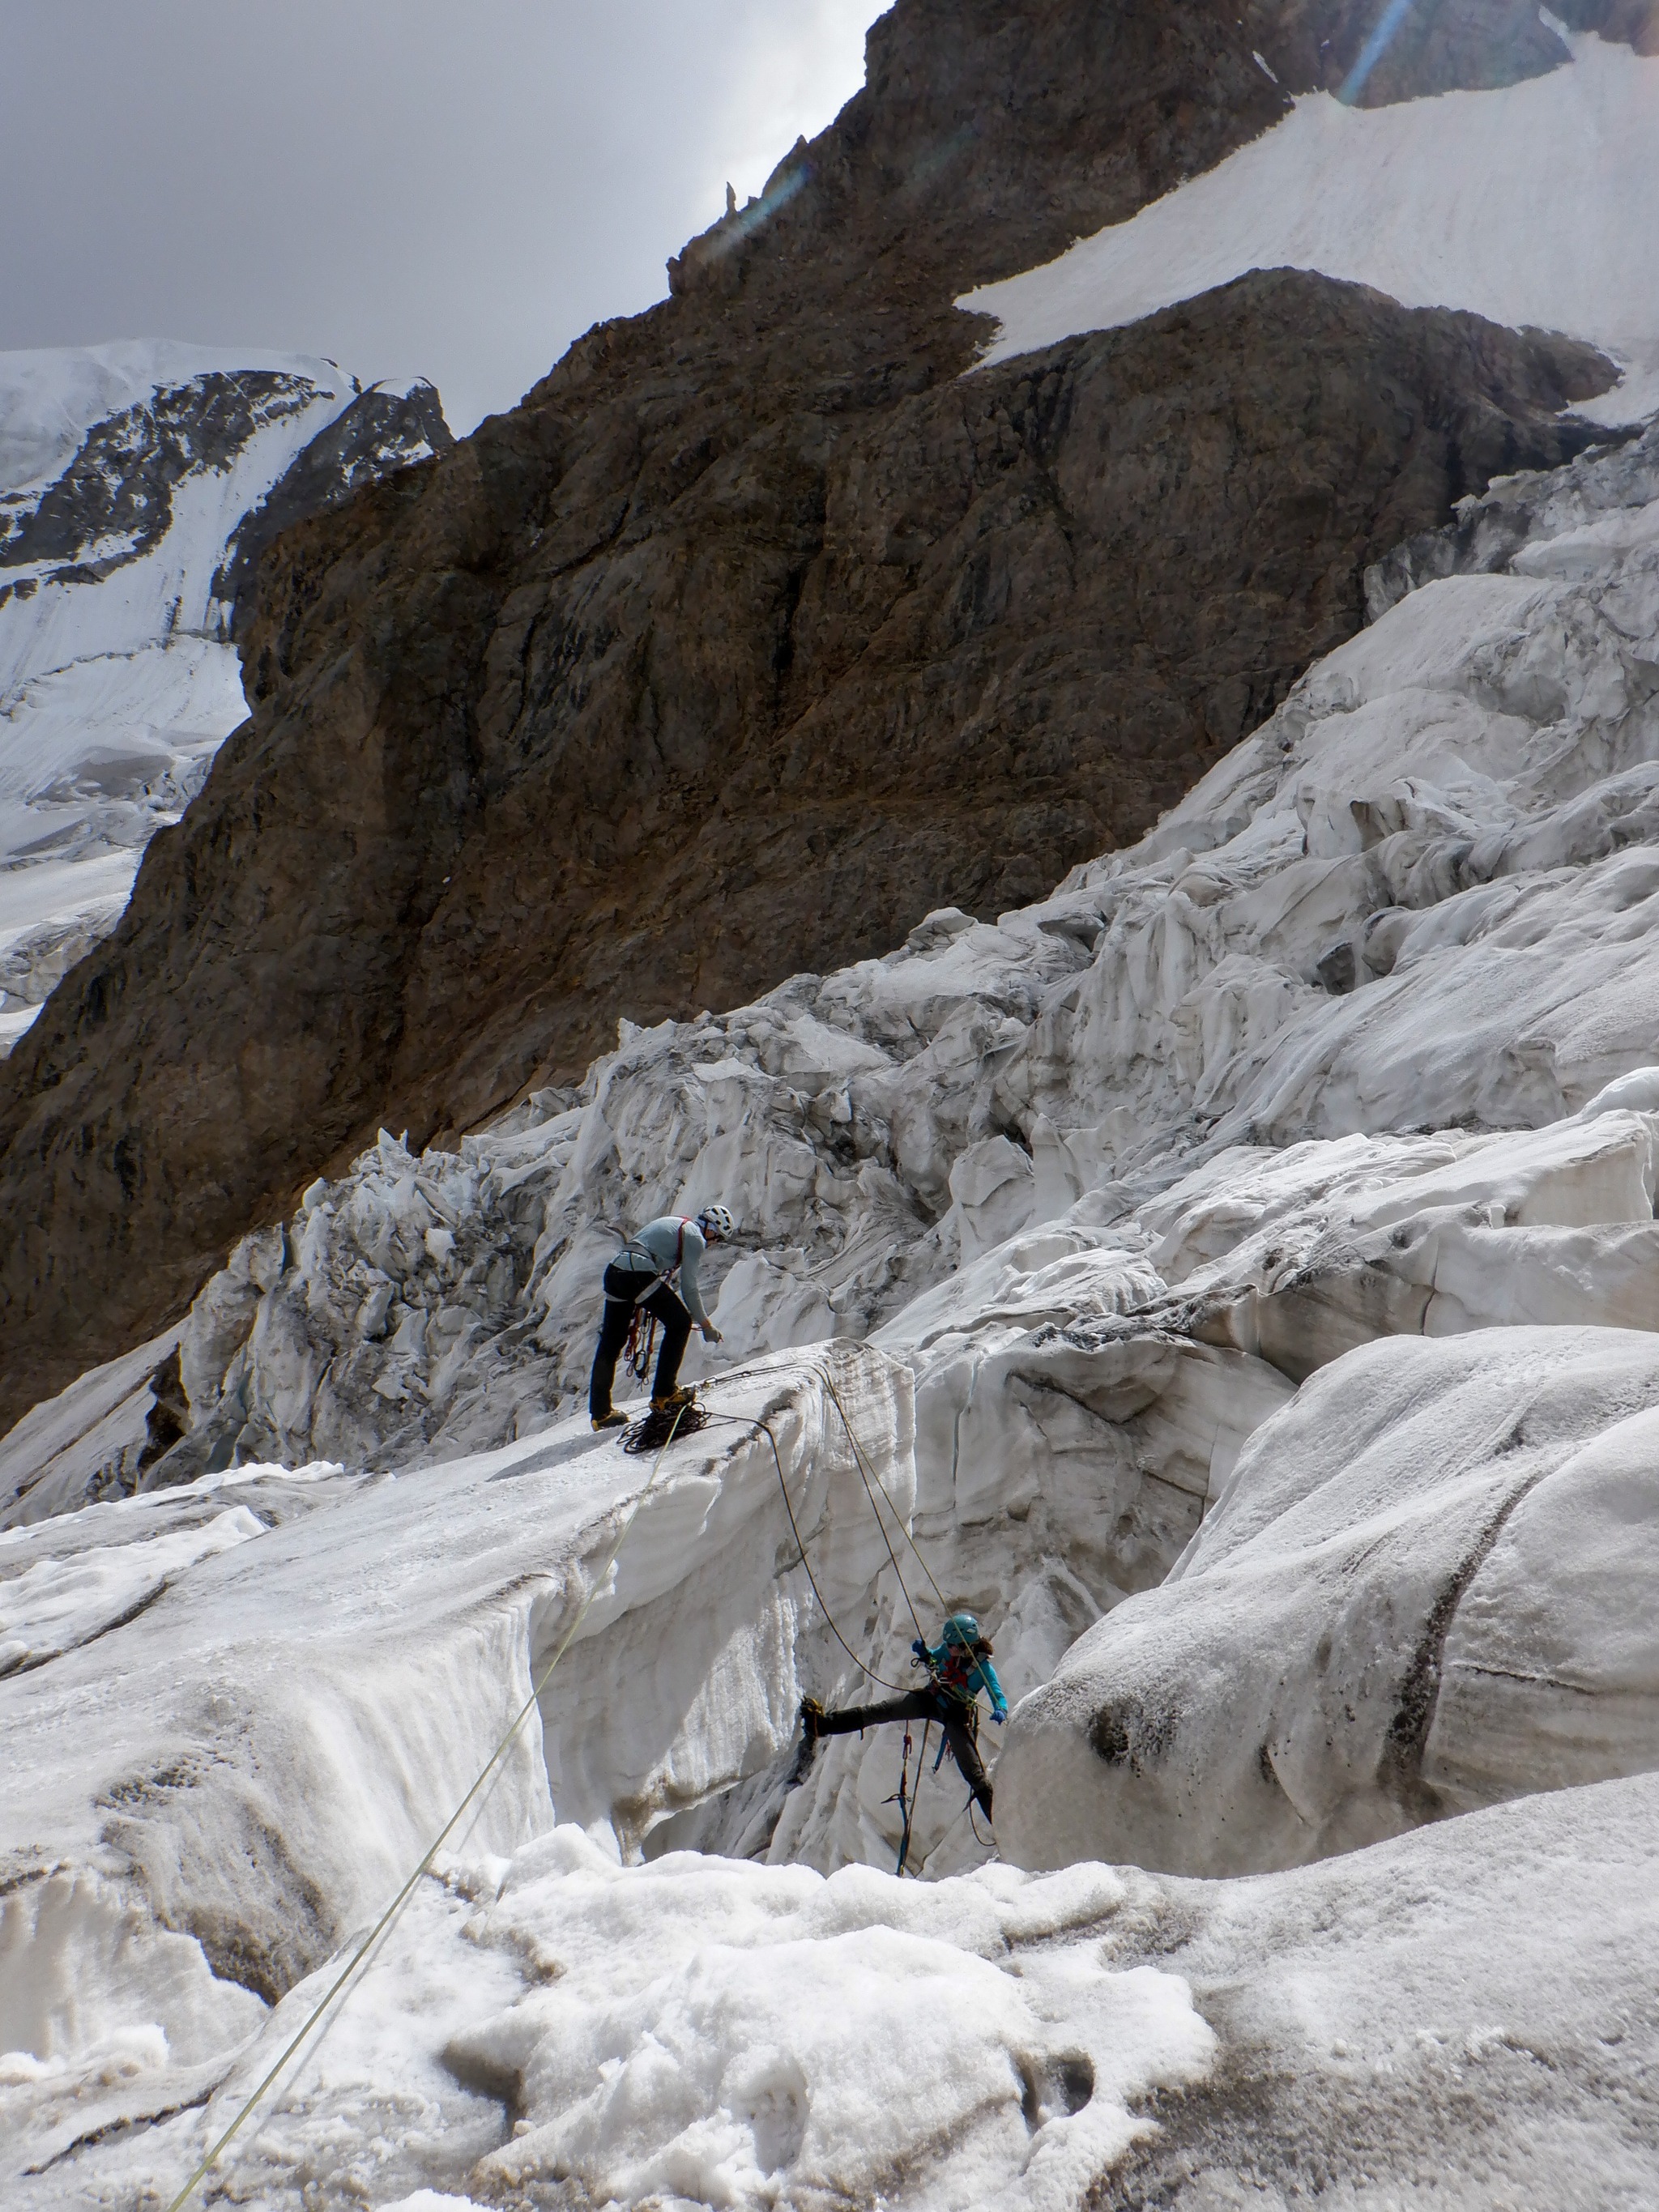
[(1374, 49)]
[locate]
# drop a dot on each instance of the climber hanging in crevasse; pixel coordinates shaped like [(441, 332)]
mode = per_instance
[(958, 1669), (640, 1282)]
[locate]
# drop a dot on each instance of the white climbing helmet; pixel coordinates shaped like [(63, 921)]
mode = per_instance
[(716, 1221)]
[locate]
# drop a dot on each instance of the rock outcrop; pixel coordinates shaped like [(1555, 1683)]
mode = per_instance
[(754, 635)]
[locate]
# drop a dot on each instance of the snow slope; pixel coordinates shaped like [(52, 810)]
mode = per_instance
[(126, 473), (1536, 204)]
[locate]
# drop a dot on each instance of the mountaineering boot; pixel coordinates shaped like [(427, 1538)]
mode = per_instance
[(673, 1402), (612, 1420), (812, 1712)]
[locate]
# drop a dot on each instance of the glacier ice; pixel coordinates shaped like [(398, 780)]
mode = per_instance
[(1237, 1269), (1424, 1588)]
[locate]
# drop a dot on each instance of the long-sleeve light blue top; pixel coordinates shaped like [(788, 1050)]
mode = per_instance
[(668, 1243)]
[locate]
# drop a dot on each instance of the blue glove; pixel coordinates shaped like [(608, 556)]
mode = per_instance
[(919, 1649), (999, 1714)]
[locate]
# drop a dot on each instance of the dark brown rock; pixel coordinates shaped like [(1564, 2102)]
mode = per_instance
[(755, 632)]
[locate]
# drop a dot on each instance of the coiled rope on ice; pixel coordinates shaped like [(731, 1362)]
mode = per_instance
[(486, 1780)]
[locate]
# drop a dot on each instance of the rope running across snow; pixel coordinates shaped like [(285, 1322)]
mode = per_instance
[(485, 1781), (873, 1484), (490, 1770)]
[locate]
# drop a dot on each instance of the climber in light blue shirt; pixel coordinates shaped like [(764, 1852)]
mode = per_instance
[(655, 1274), (961, 1662)]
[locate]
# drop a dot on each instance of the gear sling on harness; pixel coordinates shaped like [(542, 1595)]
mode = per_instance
[(641, 1324)]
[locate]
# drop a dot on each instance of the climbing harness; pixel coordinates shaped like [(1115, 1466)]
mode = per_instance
[(643, 1326), (480, 1789)]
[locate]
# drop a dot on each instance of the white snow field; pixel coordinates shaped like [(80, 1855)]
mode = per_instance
[(1536, 204), (125, 471), (1239, 1271)]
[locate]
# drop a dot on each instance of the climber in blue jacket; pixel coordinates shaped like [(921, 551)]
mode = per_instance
[(958, 1669)]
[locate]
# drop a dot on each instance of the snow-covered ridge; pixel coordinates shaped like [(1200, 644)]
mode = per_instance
[(1537, 204), (137, 482), (140, 457)]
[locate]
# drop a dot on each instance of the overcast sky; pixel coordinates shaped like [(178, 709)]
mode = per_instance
[(452, 187)]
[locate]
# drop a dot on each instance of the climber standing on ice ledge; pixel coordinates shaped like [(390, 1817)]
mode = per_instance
[(958, 1669), (641, 1281)]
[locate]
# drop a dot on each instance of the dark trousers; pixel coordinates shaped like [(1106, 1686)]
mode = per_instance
[(954, 1718), (622, 1286)]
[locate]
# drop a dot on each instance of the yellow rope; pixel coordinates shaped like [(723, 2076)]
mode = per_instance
[(395, 1908)]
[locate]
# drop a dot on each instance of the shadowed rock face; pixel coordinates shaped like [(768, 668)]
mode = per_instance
[(378, 433), (756, 632)]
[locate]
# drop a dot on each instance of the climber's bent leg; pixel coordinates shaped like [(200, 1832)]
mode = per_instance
[(969, 1764), (676, 1318)]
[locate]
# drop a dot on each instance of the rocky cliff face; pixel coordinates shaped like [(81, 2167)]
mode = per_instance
[(756, 633)]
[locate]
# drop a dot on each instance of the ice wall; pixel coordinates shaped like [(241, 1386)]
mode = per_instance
[(1426, 1588)]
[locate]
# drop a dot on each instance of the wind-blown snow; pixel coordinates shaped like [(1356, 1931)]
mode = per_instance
[(1537, 204)]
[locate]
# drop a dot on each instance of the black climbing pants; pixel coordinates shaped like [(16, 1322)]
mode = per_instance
[(622, 1286), (955, 1717)]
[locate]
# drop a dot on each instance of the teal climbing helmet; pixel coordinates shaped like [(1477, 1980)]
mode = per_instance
[(963, 1628)]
